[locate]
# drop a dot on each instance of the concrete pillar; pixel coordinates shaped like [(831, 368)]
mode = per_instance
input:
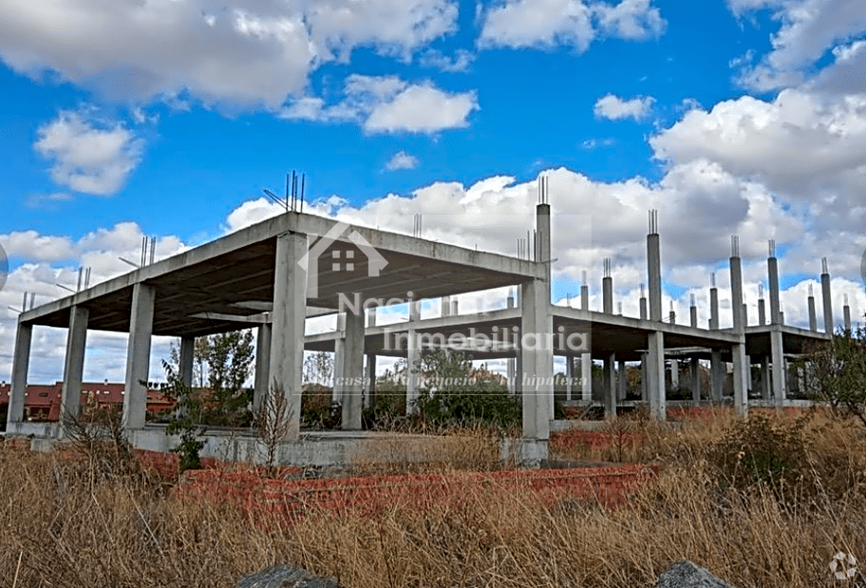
[(813, 317), (765, 378), (263, 364), (714, 309), (846, 312), (586, 377), (623, 384), (610, 386), (413, 357), (186, 359), (455, 308), (446, 306), (656, 375), (716, 376), (655, 277), (138, 356), (20, 366), (738, 351), (762, 313), (827, 299), (693, 316), (353, 372), (675, 373), (371, 380), (644, 395), (773, 280), (537, 333), (643, 310), (371, 317), (607, 295), (287, 325), (569, 377), (696, 380), (776, 320), (339, 360), (76, 343)]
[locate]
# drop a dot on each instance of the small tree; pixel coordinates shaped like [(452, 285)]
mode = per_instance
[(184, 420), (835, 372), (273, 422)]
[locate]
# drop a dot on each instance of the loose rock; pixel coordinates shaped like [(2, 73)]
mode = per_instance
[(282, 576), (685, 574)]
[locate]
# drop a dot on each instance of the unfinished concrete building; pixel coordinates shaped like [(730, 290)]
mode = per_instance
[(275, 274)]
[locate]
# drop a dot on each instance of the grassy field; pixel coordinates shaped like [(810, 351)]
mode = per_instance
[(764, 503)]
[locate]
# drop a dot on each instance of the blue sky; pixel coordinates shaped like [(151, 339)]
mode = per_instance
[(169, 118)]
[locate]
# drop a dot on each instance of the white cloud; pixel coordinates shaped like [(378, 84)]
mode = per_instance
[(572, 23), (402, 160), (809, 29), (459, 62), (86, 156), (249, 53), (613, 107), (387, 104)]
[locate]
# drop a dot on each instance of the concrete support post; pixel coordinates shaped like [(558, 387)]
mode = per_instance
[(696, 380), (446, 306), (263, 365), (827, 300), (846, 316), (693, 316), (675, 373), (20, 367), (607, 295), (644, 396), (73, 371), (413, 357), (777, 358), (765, 378), (738, 351), (138, 356), (656, 375), (537, 334), (623, 384), (610, 386), (762, 313), (187, 359), (371, 380), (586, 377), (813, 316), (655, 277), (287, 330), (643, 310), (714, 309), (353, 372), (716, 376), (569, 377), (339, 360), (773, 280)]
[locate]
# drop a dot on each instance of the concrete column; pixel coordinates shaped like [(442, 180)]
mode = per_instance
[(813, 317), (584, 297), (569, 377), (537, 332), (693, 316), (76, 343), (827, 300), (263, 364), (138, 356), (714, 309), (287, 325), (623, 384), (656, 375), (413, 357), (762, 313), (778, 360), (339, 360), (675, 373), (610, 386), (696, 380), (371, 380), (655, 277), (20, 366), (716, 376), (455, 308), (644, 395), (353, 372), (773, 279), (765, 378), (187, 359), (738, 351), (607, 295), (371, 317), (846, 312), (586, 377), (446, 305), (643, 309)]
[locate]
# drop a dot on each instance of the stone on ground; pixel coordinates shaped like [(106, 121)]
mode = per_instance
[(685, 574), (285, 577)]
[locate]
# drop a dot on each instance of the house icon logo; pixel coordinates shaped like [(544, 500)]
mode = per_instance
[(376, 262)]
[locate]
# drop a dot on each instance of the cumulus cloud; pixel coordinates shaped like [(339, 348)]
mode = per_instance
[(88, 156), (245, 52), (459, 62), (808, 30), (402, 160), (572, 23), (613, 107), (388, 104)]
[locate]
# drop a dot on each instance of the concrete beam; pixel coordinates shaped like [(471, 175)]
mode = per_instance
[(20, 367), (138, 357), (287, 335), (76, 344), (353, 372)]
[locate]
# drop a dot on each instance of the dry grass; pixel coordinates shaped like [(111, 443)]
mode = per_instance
[(71, 528)]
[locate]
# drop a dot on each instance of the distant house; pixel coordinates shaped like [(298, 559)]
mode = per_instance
[(42, 402)]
